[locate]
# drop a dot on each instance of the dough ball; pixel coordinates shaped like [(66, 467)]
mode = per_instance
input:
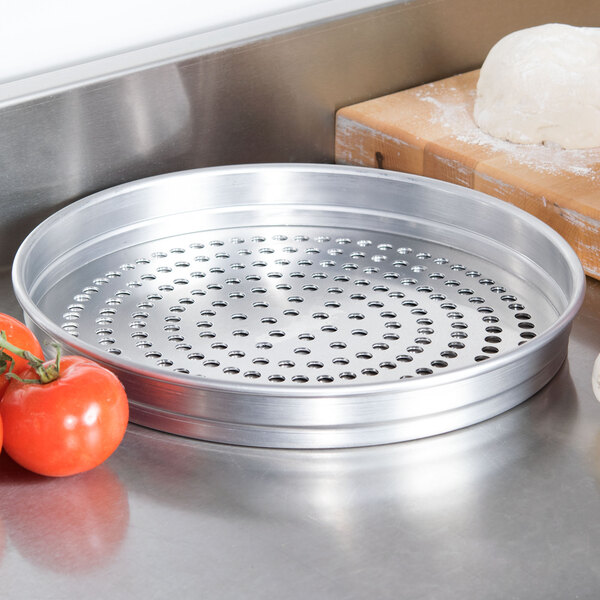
[(596, 377), (542, 85)]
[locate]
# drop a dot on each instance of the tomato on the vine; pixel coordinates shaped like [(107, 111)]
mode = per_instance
[(70, 424), (21, 336)]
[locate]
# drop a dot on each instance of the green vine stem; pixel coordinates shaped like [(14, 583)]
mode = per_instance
[(47, 372)]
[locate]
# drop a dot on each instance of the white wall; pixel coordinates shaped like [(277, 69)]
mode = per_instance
[(38, 36)]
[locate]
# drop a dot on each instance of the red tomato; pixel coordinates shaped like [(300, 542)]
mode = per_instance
[(18, 335), (69, 425), (1, 434)]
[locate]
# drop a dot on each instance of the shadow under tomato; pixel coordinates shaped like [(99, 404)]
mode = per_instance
[(72, 524)]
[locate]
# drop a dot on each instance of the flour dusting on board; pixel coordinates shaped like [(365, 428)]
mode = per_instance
[(457, 118)]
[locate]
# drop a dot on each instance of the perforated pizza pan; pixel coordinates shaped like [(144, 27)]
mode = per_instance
[(304, 306)]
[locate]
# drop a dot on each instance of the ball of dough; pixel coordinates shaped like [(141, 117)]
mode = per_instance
[(596, 377), (541, 85)]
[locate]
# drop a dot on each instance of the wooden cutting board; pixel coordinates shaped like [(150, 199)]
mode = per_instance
[(429, 130)]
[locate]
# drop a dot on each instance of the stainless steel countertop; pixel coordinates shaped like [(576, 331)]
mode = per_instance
[(505, 509)]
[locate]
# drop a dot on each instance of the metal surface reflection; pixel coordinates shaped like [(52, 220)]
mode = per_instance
[(68, 525), (421, 478), (73, 146), (505, 508), (2, 540)]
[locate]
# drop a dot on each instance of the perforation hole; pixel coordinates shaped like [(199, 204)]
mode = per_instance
[(424, 371), (528, 335), (340, 360), (347, 375)]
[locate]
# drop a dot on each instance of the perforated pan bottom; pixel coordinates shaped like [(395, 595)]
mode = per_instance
[(321, 306), (289, 306)]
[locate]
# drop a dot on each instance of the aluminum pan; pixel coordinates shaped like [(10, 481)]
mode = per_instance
[(536, 260)]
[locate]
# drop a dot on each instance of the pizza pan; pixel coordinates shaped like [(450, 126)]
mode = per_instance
[(304, 306)]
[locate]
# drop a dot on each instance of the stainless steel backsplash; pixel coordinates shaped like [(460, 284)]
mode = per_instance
[(267, 98)]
